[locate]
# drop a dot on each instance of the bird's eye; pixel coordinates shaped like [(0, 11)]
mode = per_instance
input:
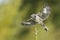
[(34, 16)]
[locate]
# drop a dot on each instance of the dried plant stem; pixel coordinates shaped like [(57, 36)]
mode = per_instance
[(36, 33)]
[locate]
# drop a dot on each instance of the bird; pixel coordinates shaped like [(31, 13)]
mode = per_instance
[(39, 17)]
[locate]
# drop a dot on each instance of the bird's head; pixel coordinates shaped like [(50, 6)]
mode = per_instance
[(33, 16)]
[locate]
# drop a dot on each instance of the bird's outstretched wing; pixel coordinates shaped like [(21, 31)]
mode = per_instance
[(28, 22), (45, 12)]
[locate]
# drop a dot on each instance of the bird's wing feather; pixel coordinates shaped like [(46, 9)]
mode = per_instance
[(28, 23), (44, 13)]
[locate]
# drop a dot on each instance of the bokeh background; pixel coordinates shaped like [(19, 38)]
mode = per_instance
[(13, 12)]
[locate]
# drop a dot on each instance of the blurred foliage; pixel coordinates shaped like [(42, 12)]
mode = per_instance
[(12, 14)]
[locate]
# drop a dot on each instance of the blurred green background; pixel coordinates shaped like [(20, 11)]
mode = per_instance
[(17, 11)]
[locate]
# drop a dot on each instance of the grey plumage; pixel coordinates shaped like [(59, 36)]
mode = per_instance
[(44, 14), (39, 17)]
